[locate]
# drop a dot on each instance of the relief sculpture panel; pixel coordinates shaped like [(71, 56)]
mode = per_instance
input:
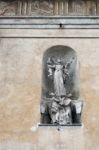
[(49, 7), (8, 8), (42, 7)]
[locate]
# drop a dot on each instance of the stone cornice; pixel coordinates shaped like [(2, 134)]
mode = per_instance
[(69, 22)]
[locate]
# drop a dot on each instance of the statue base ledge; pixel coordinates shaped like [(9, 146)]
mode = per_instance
[(54, 125)]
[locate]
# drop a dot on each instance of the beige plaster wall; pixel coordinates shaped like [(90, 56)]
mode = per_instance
[(20, 90)]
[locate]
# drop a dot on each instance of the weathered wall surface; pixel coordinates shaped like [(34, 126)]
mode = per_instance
[(20, 90)]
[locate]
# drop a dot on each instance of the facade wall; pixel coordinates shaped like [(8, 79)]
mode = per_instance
[(20, 89)]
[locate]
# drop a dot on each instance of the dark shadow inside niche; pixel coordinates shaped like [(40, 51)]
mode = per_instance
[(60, 102)]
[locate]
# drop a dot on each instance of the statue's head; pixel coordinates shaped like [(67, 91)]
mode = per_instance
[(58, 60)]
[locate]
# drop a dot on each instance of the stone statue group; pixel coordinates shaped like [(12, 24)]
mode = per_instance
[(61, 108)]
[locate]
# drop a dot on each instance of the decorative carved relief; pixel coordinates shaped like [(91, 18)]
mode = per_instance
[(77, 7), (24, 8), (8, 8), (44, 7), (48, 7), (61, 103), (35, 7)]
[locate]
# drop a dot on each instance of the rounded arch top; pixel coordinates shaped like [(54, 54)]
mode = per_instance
[(62, 52), (58, 48)]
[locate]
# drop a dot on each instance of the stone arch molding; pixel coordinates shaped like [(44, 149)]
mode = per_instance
[(61, 103)]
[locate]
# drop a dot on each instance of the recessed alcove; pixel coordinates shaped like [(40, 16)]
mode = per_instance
[(60, 101)]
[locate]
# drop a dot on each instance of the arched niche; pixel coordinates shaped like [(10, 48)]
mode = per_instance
[(60, 100)]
